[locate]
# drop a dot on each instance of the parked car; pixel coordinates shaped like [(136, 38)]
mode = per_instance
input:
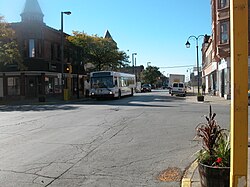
[(178, 88), (248, 97), (146, 88)]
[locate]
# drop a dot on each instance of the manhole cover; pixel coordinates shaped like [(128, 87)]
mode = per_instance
[(170, 174)]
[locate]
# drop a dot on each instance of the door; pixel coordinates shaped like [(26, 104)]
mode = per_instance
[(31, 86)]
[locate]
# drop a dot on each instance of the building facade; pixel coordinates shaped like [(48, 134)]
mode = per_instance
[(45, 72), (216, 53)]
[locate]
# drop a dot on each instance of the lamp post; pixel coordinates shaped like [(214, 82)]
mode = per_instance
[(62, 50), (190, 78), (148, 64), (189, 71), (197, 56), (133, 61), (163, 79)]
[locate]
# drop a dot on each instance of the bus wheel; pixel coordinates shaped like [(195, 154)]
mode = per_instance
[(119, 94), (132, 91)]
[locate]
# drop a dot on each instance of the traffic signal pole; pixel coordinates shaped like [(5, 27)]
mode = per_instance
[(239, 87)]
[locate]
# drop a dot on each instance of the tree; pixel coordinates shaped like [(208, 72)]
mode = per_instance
[(103, 53), (151, 74), (9, 53)]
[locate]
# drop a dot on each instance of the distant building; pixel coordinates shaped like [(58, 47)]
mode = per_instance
[(137, 70)]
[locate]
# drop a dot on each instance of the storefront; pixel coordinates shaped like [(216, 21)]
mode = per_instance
[(23, 85), (210, 77), (224, 78)]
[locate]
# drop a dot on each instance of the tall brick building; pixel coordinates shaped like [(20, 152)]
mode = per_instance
[(40, 48), (216, 62)]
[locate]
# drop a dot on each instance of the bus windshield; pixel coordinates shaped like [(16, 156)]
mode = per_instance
[(102, 82)]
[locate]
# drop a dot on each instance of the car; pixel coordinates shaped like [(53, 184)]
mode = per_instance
[(146, 88), (248, 97), (178, 88)]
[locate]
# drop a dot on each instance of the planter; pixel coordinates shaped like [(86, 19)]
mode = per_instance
[(214, 176), (200, 98)]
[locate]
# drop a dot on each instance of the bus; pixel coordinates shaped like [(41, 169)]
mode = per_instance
[(111, 84)]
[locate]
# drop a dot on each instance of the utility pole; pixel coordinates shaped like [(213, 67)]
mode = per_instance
[(239, 103)]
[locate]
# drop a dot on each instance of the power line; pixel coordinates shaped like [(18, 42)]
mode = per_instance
[(178, 66)]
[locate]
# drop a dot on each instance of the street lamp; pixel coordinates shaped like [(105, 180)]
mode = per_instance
[(148, 64), (133, 58), (62, 50), (197, 56), (133, 61)]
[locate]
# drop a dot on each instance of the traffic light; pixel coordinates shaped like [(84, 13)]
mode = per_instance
[(68, 68)]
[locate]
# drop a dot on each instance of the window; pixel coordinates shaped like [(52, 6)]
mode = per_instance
[(13, 86), (223, 3), (181, 85), (122, 82), (224, 33), (116, 82), (31, 48)]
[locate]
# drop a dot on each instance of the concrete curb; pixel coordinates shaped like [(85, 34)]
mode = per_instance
[(188, 175)]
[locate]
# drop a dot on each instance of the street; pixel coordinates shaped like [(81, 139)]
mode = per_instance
[(126, 142)]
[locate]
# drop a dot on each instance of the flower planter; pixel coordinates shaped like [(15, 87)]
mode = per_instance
[(214, 176), (200, 98)]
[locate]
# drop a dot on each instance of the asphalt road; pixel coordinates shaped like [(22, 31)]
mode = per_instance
[(126, 142)]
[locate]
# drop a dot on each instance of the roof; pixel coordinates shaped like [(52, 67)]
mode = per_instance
[(32, 10), (107, 35)]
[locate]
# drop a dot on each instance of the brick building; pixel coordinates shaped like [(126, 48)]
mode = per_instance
[(40, 48), (216, 53)]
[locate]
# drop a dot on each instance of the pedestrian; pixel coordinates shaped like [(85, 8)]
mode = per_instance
[(203, 88)]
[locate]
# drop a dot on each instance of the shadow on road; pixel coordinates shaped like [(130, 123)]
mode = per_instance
[(162, 99), (25, 108)]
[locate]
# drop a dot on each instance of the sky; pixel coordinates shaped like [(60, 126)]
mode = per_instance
[(156, 30)]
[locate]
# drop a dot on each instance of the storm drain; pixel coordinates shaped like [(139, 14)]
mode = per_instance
[(171, 174)]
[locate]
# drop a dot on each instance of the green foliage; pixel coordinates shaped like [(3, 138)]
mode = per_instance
[(103, 53), (9, 53), (151, 75), (216, 143)]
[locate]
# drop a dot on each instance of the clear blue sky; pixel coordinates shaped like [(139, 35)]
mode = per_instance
[(156, 30)]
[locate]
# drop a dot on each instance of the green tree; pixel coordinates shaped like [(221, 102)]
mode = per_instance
[(103, 53), (9, 53), (151, 74)]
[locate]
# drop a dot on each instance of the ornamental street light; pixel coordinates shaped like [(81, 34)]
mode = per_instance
[(197, 56), (62, 50), (133, 64)]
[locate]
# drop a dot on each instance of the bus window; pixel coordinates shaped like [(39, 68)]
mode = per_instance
[(116, 82)]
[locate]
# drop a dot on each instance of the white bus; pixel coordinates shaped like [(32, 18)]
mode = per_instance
[(111, 84)]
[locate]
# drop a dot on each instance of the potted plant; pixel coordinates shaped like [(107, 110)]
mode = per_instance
[(214, 157), (200, 97)]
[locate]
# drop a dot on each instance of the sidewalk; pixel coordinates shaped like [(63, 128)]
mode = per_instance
[(207, 99), (191, 177)]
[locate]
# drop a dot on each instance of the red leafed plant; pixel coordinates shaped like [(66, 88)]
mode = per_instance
[(215, 142)]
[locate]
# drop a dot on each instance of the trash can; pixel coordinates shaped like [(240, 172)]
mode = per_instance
[(66, 94), (41, 98)]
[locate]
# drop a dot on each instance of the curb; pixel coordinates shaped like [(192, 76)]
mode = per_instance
[(188, 175)]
